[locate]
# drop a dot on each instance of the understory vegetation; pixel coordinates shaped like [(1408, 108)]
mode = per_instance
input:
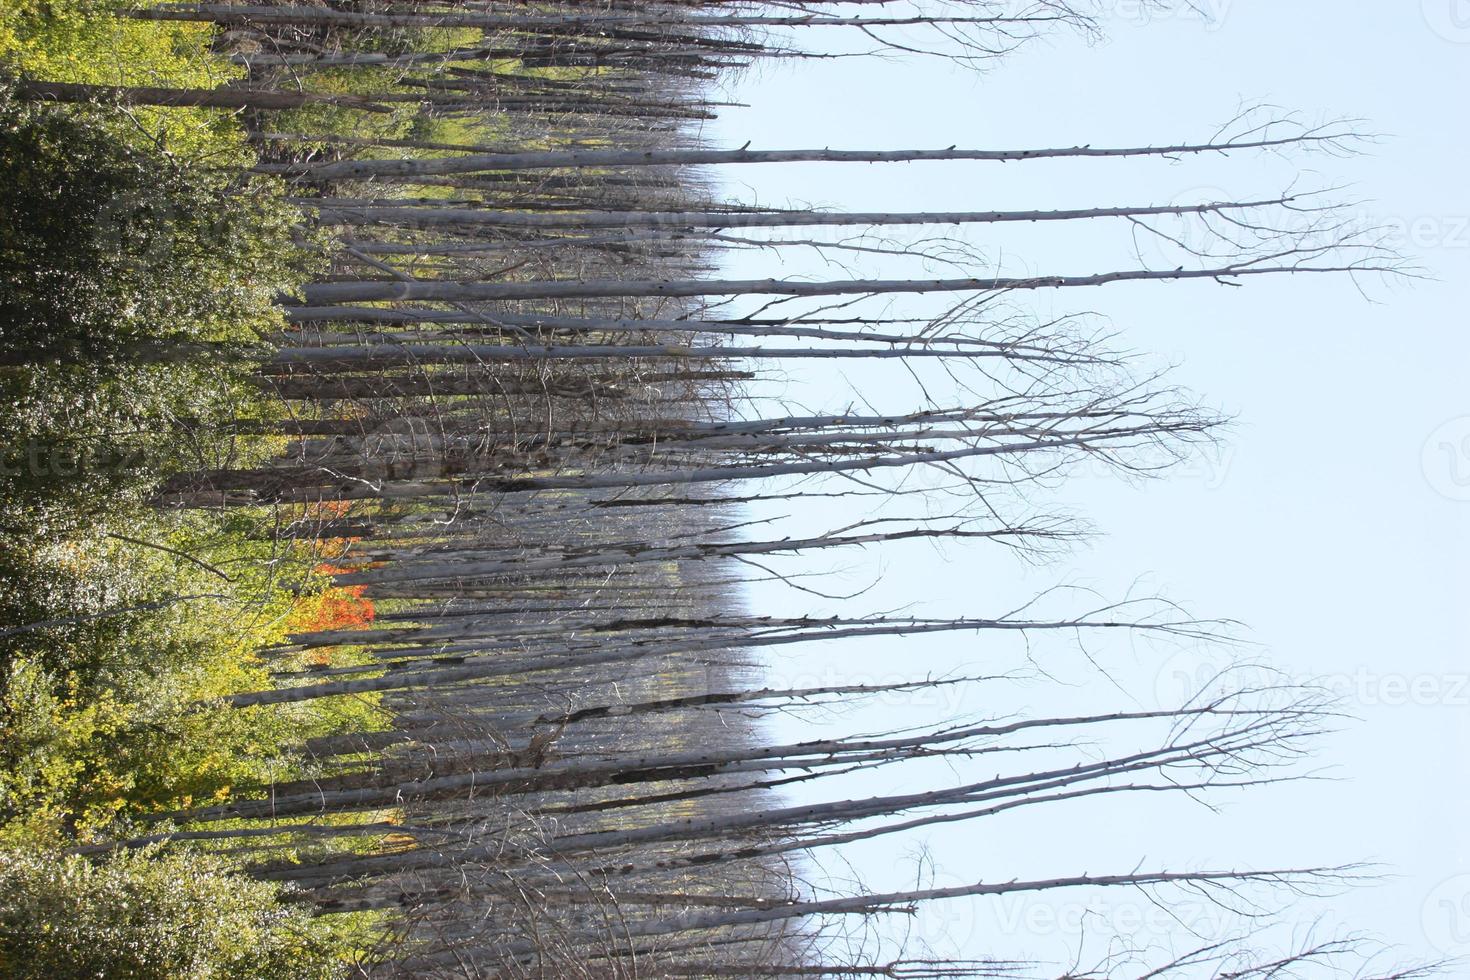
[(137, 288)]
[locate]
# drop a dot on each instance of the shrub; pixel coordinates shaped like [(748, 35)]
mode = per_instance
[(148, 915), (134, 289)]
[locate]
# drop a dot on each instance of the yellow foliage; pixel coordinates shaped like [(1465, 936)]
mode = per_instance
[(75, 41)]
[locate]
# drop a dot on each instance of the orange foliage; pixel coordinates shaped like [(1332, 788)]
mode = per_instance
[(341, 609), (326, 510), (333, 547), (338, 608)]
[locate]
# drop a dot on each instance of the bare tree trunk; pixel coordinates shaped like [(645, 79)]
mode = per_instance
[(423, 289), (554, 159), (329, 213), (222, 98)]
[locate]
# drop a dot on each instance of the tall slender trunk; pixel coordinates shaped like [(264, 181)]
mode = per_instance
[(222, 98), (446, 291), (557, 159), (330, 213)]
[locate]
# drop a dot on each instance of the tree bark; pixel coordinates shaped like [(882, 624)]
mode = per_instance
[(616, 159), (220, 98)]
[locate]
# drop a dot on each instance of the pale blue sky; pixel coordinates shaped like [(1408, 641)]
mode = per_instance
[(1333, 523)]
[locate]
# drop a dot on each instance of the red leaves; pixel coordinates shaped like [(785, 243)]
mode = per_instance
[(337, 608)]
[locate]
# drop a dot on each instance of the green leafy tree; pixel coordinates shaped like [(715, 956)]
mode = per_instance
[(152, 916), (134, 290), (109, 252)]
